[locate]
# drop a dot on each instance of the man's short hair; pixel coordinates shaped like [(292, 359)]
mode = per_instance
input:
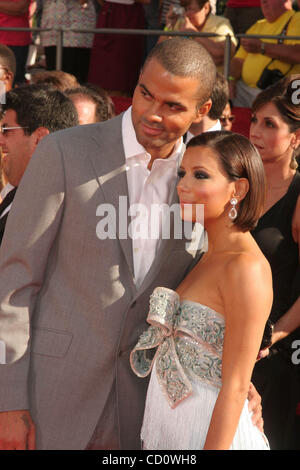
[(184, 57), (104, 105), (7, 59), (40, 106), (219, 97)]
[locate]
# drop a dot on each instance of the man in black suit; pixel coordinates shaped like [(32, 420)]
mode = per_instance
[(28, 115)]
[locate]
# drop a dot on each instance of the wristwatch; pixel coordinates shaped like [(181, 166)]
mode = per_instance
[(263, 48)]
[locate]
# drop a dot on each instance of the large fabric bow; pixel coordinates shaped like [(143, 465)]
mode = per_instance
[(157, 343)]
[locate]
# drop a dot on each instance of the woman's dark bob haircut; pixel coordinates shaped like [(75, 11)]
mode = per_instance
[(239, 159)]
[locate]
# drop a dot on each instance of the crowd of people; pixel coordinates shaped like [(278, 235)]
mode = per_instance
[(83, 273)]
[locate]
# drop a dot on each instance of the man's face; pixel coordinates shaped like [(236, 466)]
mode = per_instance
[(273, 9), (6, 79), (163, 108), (17, 148), (86, 109)]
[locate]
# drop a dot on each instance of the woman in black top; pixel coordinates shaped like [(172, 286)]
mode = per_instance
[(275, 131)]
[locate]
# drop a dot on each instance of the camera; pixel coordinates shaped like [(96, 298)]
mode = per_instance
[(268, 78)]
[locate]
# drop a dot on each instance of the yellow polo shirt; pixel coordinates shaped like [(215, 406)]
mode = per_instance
[(254, 64)]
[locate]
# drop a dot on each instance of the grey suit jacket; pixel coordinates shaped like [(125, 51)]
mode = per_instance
[(70, 312)]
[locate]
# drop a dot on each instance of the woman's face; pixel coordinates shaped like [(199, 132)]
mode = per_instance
[(270, 134), (203, 181), (196, 15)]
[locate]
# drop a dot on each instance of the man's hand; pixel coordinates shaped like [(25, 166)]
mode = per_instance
[(186, 25), (17, 430), (255, 406), (251, 45)]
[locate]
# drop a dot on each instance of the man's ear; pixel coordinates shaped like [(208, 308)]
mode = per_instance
[(40, 133), (203, 110)]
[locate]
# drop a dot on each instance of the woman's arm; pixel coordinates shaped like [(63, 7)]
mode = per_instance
[(247, 292), (216, 49), (284, 52)]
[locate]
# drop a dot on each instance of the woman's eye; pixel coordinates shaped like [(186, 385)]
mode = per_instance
[(200, 175), (269, 123), (180, 173), (253, 119)]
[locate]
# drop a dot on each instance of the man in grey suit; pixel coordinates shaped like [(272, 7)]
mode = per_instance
[(74, 287)]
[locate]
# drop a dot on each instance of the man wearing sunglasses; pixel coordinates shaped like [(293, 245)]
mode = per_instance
[(29, 114)]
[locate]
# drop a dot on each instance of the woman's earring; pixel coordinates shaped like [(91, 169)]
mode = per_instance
[(233, 212)]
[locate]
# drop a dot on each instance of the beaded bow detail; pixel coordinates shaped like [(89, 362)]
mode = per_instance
[(164, 303), (177, 341)]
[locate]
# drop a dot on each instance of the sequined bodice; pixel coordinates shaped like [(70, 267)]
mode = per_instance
[(200, 355), (189, 339)]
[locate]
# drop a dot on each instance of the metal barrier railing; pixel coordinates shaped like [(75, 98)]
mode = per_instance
[(149, 32)]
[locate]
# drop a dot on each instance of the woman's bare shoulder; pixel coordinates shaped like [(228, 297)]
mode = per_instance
[(247, 270)]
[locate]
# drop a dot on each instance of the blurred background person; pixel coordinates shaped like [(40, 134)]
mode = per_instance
[(198, 17), (7, 75), (227, 118), (116, 59), (275, 132), (91, 105), (55, 78), (29, 114), (260, 62), (211, 121), (242, 14), (15, 14), (80, 14), (7, 67)]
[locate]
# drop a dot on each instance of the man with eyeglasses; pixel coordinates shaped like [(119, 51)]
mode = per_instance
[(29, 114), (7, 75)]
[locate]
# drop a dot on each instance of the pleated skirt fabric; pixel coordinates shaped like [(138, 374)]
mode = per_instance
[(185, 427)]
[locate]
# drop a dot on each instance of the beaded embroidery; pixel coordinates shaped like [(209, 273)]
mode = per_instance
[(185, 340)]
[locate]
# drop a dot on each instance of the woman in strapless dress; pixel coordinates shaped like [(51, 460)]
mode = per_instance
[(204, 337)]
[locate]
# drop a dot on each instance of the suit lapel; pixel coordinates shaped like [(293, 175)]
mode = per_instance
[(110, 168)]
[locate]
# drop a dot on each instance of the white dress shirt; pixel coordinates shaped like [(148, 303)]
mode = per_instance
[(146, 188), (215, 127), (4, 192)]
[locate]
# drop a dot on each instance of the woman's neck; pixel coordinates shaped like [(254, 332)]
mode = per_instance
[(222, 235), (278, 174)]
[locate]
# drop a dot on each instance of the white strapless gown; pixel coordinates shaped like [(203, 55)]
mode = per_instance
[(185, 426)]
